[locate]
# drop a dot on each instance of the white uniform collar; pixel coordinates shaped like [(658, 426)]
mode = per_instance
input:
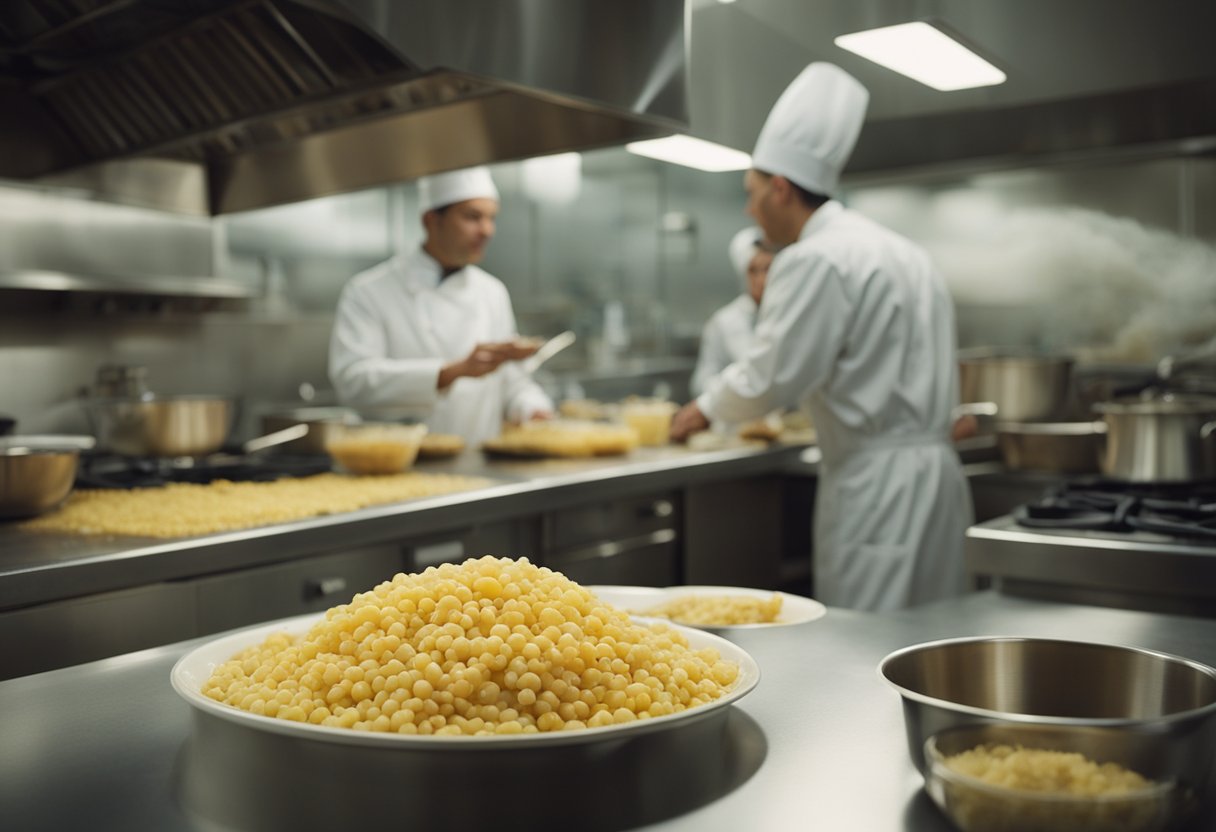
[(422, 271), (819, 220)]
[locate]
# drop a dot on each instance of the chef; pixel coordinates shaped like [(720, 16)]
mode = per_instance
[(856, 324), (729, 330), (429, 333)]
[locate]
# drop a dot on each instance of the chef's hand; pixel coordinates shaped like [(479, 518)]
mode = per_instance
[(688, 420), (484, 359)]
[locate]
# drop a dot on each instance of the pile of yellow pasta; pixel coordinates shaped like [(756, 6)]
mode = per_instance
[(719, 610), (564, 438), (489, 646), (187, 509)]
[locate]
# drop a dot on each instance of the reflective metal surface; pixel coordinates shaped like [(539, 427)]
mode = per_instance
[(1023, 385), (819, 710), (270, 96), (34, 480), (1062, 447), (161, 427), (1171, 439), (1161, 706)]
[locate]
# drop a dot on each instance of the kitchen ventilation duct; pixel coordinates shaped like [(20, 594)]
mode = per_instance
[(284, 100)]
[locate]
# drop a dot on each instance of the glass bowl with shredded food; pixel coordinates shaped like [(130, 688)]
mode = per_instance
[(375, 448), (1035, 778)]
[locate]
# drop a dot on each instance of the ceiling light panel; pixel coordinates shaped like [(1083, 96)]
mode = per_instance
[(693, 153), (924, 53)]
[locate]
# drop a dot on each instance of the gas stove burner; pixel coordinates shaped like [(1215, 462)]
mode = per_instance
[(1178, 511), (113, 472)]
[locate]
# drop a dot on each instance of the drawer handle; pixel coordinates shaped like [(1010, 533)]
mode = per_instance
[(659, 508), (324, 587), (612, 548)]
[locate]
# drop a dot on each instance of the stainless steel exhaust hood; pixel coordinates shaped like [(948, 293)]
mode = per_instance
[(284, 100)]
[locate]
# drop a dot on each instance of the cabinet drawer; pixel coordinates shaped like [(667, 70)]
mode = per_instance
[(651, 559), (612, 520), (96, 627), (235, 599)]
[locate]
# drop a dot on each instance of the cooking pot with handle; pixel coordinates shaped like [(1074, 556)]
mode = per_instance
[(161, 426), (1025, 386), (1165, 439)]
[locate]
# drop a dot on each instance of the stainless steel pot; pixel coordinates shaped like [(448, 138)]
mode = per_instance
[(162, 426), (37, 472), (1025, 386), (1057, 447), (321, 422), (1165, 439)]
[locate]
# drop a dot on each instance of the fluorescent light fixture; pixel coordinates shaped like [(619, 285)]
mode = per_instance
[(693, 153), (923, 53)]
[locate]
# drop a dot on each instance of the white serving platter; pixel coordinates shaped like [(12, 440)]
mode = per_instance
[(795, 609), (192, 671)]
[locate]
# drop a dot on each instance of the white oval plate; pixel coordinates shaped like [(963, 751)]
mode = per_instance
[(795, 609), (193, 670)]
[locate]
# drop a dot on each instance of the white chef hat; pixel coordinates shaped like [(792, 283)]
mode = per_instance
[(455, 186), (811, 130), (742, 247)]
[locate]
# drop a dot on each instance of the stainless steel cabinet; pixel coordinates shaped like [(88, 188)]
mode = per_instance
[(632, 540), (95, 627), (107, 624), (247, 596)]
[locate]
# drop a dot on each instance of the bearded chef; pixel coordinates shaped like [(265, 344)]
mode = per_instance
[(856, 324), (729, 330), (432, 334)]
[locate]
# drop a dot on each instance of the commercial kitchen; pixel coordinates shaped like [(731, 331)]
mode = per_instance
[(185, 191)]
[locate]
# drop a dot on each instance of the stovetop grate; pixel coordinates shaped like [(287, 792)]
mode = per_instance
[(115, 473), (1175, 510)]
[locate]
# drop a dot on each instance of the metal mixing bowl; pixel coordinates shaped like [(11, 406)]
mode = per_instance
[(1156, 706), (37, 472), (168, 426)]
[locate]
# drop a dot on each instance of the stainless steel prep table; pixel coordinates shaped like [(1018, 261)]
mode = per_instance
[(1130, 570), (36, 568), (97, 746)]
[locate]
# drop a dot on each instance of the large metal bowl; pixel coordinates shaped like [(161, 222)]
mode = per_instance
[(162, 426), (37, 472), (1058, 447), (1025, 386), (1152, 706)]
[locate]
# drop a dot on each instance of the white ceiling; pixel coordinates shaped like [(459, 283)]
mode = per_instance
[(744, 53)]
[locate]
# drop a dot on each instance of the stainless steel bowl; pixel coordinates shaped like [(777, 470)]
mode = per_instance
[(168, 426), (1059, 447), (37, 472), (1025, 386), (1159, 705)]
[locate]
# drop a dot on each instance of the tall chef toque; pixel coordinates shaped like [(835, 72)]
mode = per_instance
[(455, 186), (742, 247), (811, 130)]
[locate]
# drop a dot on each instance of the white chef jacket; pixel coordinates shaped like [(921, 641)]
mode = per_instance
[(724, 340), (857, 324), (398, 323)]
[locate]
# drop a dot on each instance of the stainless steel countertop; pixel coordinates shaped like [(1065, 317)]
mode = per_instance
[(1135, 570), (101, 746), (40, 567)]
